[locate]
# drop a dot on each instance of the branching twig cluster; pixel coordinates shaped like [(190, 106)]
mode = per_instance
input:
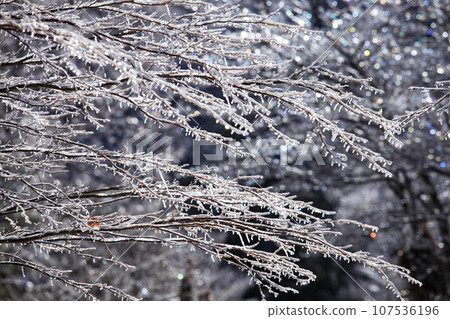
[(66, 68)]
